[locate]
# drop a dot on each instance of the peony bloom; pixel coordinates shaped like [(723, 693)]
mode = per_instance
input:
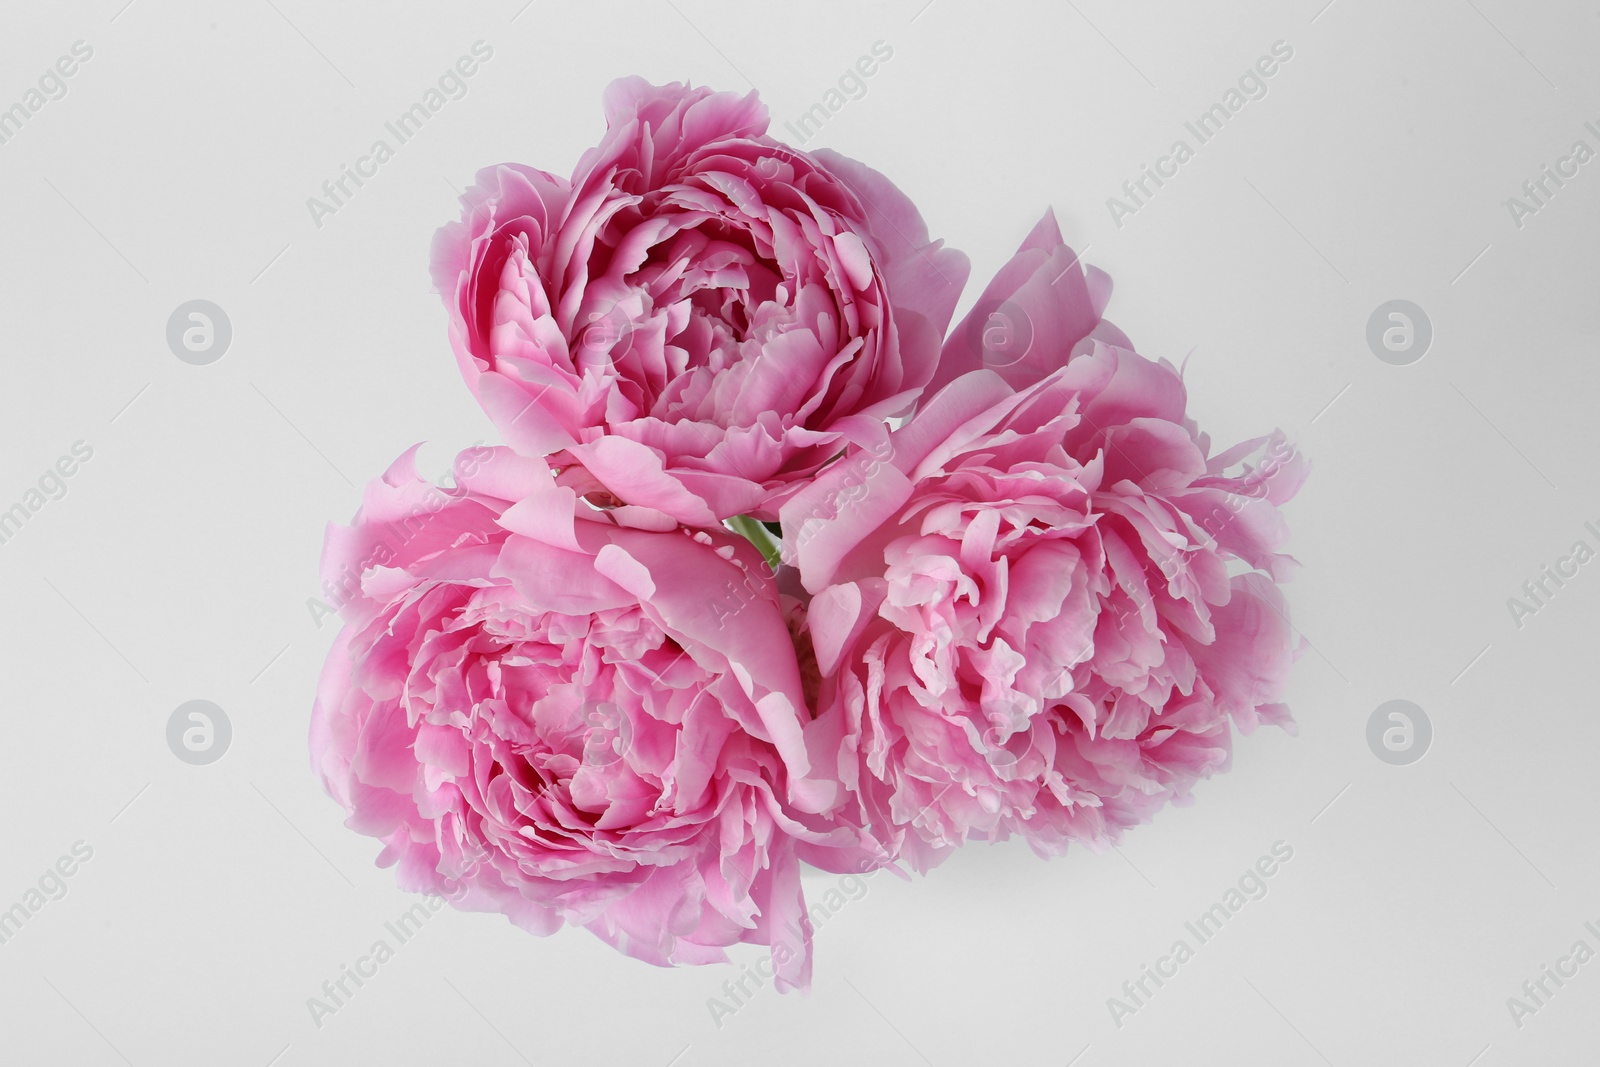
[(1032, 315), (1039, 611), (701, 317), (551, 716)]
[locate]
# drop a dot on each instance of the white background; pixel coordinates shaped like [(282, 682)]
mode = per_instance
[(179, 564)]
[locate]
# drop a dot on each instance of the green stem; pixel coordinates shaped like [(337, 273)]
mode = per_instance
[(757, 534)]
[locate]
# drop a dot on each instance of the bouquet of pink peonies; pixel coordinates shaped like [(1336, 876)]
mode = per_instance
[(771, 572)]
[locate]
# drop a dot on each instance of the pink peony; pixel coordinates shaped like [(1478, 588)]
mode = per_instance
[(1038, 611), (701, 317), (1032, 315), (544, 714)]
